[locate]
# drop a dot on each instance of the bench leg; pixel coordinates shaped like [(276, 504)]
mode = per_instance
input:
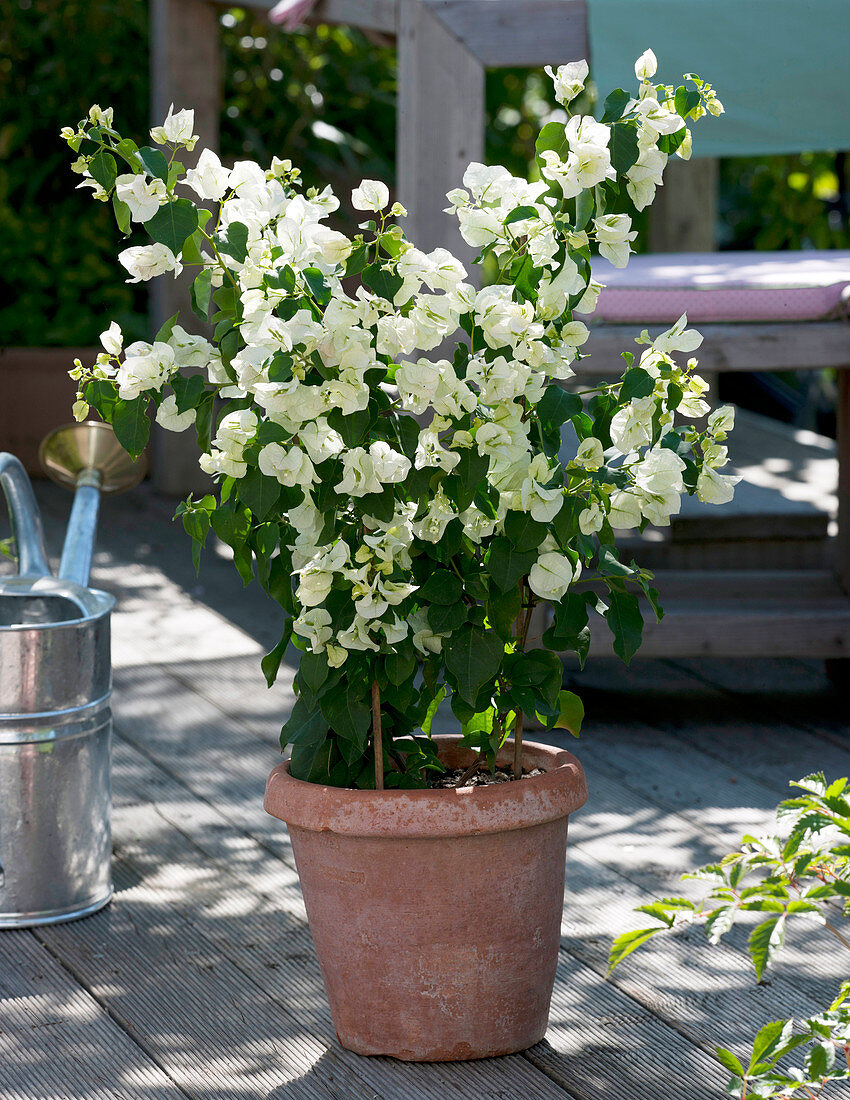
[(842, 417)]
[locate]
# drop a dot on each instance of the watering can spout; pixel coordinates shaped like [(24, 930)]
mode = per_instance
[(25, 517), (88, 459)]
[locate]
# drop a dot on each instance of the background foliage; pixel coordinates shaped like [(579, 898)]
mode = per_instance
[(325, 97)]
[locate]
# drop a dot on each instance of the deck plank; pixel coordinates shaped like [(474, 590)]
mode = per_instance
[(56, 1041)]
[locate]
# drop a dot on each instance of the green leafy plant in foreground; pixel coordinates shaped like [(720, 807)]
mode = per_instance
[(805, 871)]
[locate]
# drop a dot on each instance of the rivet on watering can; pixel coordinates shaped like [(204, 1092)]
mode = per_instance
[(55, 687)]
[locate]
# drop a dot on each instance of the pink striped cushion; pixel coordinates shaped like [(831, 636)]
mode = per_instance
[(724, 286)]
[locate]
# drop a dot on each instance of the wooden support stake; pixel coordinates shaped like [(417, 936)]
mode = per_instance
[(376, 734)]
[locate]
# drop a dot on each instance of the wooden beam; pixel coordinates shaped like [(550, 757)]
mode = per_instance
[(682, 217), (185, 69), (440, 124), (842, 417), (799, 345), (522, 33)]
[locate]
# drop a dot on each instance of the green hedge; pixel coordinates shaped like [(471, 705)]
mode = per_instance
[(324, 97)]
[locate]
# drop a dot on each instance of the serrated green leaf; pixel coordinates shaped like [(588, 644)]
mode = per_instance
[(629, 941), (728, 1060), (765, 942)]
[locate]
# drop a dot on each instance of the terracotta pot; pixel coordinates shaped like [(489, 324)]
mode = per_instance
[(436, 914)]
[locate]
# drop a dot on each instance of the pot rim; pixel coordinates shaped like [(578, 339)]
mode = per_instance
[(466, 811)]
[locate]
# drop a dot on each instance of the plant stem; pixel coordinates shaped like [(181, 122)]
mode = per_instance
[(523, 622), (838, 935), (376, 733), (518, 745), (470, 771)]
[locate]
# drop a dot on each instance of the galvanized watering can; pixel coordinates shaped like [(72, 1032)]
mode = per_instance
[(55, 687)]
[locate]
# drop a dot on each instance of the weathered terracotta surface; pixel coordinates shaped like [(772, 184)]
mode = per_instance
[(436, 914)]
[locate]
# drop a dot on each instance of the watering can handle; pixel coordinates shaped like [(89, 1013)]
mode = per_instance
[(25, 517)]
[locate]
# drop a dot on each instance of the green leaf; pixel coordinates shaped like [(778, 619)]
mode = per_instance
[(384, 283), (626, 623), (685, 100), (313, 670), (570, 629), (441, 587), (188, 391), (629, 941), (349, 714), (585, 207), (154, 162), (122, 215), (433, 707), (172, 224), (614, 106), (729, 1061), (765, 943), (310, 761), (131, 424), (553, 136), (636, 383), (357, 259), (473, 659), (520, 214), (467, 476), (506, 564), (258, 492), (820, 1060), (400, 665), (305, 725), (201, 288), (231, 524), (446, 618), (623, 146), (556, 406), (524, 532), (233, 241), (768, 1039), (503, 610), (315, 280), (102, 168), (271, 662), (166, 329), (571, 712)]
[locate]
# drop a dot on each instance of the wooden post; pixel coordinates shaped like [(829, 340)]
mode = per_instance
[(682, 216), (185, 70), (842, 419), (440, 126)]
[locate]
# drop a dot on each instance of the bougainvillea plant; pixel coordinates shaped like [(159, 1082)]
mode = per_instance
[(408, 506)]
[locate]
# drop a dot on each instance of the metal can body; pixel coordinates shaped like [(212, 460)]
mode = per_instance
[(55, 759)]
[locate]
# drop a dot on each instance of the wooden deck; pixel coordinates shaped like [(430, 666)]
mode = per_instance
[(199, 980)]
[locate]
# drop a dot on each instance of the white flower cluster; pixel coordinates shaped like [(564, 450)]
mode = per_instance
[(315, 353)]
